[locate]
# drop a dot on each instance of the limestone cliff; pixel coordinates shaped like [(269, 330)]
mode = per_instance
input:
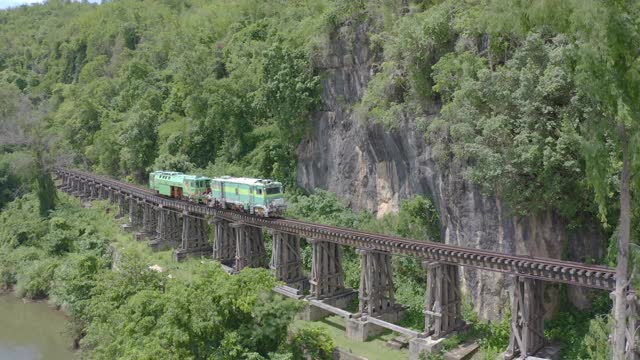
[(374, 169)]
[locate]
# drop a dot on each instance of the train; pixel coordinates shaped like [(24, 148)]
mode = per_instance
[(261, 197)]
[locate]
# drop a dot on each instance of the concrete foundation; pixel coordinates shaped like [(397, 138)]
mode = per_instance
[(549, 352), (360, 329), (313, 313), (418, 346)]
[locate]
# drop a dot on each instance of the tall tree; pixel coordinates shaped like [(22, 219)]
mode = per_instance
[(608, 69)]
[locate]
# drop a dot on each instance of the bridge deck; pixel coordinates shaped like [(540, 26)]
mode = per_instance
[(601, 277)]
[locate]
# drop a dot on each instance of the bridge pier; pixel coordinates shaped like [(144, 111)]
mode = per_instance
[(195, 241), (443, 306), (527, 318), (65, 181), (286, 261), (149, 220), (75, 186), (135, 213), (93, 191), (376, 296), (85, 189), (102, 193), (250, 250), (327, 279), (113, 196), (81, 188), (224, 242), (168, 229), (123, 205), (376, 283)]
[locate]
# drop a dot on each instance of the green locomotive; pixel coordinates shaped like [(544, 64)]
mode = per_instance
[(180, 186), (262, 197)]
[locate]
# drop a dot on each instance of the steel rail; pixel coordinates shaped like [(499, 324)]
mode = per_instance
[(594, 276)]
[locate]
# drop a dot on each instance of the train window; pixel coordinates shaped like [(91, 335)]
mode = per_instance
[(250, 190), (259, 191), (271, 191)]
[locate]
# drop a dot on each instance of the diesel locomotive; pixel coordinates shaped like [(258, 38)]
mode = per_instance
[(262, 197)]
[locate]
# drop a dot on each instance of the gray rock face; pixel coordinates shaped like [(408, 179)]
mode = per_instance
[(375, 169)]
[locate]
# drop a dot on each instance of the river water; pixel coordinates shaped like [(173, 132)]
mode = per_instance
[(32, 331)]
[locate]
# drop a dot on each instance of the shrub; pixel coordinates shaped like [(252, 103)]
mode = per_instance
[(34, 278), (312, 343)]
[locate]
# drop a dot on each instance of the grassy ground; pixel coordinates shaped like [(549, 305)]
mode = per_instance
[(374, 349)]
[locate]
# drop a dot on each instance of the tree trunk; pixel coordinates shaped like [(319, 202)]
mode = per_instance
[(622, 269)]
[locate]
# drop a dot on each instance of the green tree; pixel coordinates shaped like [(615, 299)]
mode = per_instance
[(312, 342), (140, 143), (609, 71)]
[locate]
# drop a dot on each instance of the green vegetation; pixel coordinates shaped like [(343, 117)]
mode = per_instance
[(182, 84), (192, 310), (373, 349), (532, 101), (314, 342), (583, 334)]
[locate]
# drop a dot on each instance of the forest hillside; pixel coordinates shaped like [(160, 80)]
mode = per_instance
[(505, 125)]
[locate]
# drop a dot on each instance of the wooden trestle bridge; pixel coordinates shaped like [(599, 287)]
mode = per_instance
[(238, 243)]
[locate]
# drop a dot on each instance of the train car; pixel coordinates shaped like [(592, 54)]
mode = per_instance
[(177, 185), (262, 197)]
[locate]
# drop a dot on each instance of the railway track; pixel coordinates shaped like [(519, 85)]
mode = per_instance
[(574, 273)]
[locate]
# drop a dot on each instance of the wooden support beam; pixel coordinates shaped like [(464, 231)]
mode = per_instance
[(327, 277), (123, 205), (286, 260), (169, 228), (194, 233), (442, 308), (376, 293), (527, 318), (135, 213), (224, 242), (250, 251), (149, 219)]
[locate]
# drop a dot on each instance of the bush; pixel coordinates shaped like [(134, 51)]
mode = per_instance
[(34, 278), (596, 343), (74, 281), (312, 343)]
